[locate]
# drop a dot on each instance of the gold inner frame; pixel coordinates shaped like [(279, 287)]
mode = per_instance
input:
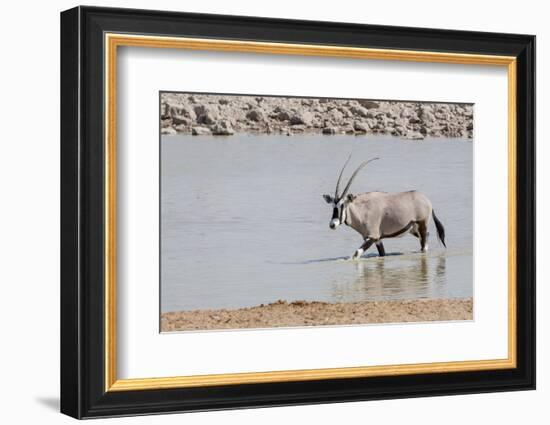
[(113, 41)]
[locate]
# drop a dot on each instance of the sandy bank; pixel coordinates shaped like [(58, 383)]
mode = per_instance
[(302, 313)]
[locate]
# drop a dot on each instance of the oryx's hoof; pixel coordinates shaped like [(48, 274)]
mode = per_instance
[(357, 254)]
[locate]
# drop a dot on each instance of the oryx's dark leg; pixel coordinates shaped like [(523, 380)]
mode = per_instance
[(366, 245), (414, 231), (423, 230), (380, 248)]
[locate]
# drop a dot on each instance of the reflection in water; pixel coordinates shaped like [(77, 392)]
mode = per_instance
[(378, 278)]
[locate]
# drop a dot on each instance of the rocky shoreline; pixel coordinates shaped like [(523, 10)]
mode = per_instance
[(225, 115), (313, 313)]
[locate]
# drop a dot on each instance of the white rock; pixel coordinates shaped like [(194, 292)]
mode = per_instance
[(168, 131), (200, 131)]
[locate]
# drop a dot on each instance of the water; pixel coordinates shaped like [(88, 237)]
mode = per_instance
[(243, 221)]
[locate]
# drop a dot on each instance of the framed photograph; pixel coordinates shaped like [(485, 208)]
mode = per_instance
[(261, 212)]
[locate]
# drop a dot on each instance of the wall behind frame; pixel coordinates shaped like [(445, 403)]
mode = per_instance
[(29, 176)]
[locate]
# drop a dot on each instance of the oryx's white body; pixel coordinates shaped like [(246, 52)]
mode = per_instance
[(380, 215)]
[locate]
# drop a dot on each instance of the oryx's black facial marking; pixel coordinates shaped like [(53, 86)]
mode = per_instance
[(335, 221), (337, 215)]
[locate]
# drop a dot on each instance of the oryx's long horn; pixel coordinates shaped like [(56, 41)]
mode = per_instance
[(355, 174), (336, 195)]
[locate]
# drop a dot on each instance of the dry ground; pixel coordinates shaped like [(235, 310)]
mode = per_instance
[(303, 313)]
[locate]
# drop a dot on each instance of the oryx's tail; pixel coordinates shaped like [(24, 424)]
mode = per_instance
[(440, 229)]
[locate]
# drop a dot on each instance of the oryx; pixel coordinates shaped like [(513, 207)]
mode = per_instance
[(379, 215)]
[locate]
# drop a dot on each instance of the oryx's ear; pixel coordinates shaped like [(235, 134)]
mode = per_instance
[(351, 197), (328, 198)]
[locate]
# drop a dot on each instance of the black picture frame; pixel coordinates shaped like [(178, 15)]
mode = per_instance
[(83, 392)]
